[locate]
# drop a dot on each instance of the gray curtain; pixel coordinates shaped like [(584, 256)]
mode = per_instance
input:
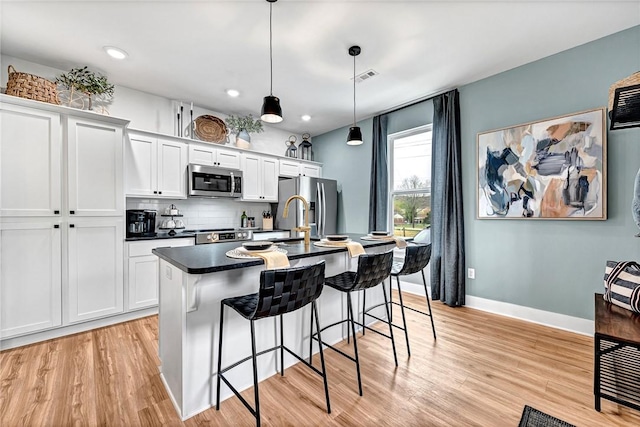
[(379, 191), (447, 222)]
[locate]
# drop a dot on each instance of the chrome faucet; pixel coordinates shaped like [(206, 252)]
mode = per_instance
[(306, 229)]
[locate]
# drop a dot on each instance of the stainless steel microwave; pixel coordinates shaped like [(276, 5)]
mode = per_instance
[(208, 181)]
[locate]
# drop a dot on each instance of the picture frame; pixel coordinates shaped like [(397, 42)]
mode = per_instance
[(550, 169)]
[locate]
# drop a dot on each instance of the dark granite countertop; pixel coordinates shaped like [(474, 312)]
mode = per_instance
[(202, 259)]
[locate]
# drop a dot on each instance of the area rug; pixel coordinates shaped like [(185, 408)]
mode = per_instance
[(531, 417)]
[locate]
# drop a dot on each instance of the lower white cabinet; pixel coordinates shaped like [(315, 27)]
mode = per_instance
[(30, 277), (141, 279), (95, 275)]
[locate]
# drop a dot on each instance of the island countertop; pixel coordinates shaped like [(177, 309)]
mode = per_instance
[(202, 259)]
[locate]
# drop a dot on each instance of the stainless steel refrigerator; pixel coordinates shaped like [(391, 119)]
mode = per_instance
[(322, 195)]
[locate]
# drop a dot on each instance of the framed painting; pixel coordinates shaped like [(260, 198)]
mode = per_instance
[(549, 169)]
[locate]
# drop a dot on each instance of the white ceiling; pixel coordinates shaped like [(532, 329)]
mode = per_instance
[(195, 50)]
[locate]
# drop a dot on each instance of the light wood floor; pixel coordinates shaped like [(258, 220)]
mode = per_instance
[(481, 372)]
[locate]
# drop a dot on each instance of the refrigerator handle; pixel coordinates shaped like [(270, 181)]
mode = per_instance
[(318, 209), (324, 211)]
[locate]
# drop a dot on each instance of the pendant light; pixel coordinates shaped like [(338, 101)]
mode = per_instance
[(355, 134), (271, 110)]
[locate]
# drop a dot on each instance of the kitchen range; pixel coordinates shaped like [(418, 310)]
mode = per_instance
[(221, 235)]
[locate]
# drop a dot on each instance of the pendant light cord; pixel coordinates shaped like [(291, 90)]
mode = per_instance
[(271, 47), (354, 91)]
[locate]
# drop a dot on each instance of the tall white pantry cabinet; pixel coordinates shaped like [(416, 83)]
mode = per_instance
[(61, 216)]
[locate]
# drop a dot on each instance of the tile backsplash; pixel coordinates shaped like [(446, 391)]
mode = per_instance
[(203, 213)]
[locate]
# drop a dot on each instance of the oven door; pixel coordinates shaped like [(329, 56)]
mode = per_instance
[(207, 181)]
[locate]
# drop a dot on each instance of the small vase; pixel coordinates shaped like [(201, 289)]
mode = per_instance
[(243, 139)]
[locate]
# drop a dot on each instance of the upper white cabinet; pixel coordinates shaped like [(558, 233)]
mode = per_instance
[(30, 274), (30, 162), (94, 168), (210, 156), (259, 178), (295, 168), (155, 167)]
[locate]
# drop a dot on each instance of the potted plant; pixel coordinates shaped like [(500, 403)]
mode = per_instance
[(87, 82), (242, 126)]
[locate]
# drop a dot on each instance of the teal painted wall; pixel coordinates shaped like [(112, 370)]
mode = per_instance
[(552, 265), (549, 265)]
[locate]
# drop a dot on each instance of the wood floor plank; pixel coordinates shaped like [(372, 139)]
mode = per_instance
[(481, 371)]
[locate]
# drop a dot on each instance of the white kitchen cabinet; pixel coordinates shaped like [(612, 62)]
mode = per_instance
[(30, 161), (141, 279), (313, 171), (155, 167), (94, 168), (294, 168), (211, 156), (30, 274), (259, 178), (95, 268)]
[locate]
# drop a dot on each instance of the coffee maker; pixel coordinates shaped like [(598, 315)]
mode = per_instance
[(141, 223)]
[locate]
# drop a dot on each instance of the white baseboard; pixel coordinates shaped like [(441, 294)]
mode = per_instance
[(534, 315)]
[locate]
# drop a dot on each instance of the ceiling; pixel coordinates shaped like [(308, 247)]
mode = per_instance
[(196, 50)]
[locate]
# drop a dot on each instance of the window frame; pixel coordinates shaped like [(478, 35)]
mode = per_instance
[(390, 169)]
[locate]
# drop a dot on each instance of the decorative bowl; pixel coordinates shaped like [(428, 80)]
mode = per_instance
[(379, 233), (257, 245), (337, 237)]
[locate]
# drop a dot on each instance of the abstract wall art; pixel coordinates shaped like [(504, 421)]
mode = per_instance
[(550, 169)]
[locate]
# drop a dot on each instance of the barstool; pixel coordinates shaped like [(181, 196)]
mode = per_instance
[(372, 271), (416, 258), (281, 291)]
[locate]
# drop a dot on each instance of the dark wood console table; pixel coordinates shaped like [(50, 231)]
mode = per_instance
[(617, 355)]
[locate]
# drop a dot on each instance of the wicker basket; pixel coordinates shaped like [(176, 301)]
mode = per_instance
[(31, 86), (632, 80)]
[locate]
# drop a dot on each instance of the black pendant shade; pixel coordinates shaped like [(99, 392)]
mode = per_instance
[(271, 110), (355, 136)]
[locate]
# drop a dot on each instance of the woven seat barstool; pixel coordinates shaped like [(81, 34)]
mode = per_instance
[(281, 291), (416, 258), (372, 271)]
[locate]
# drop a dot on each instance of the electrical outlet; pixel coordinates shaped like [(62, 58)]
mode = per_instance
[(471, 273)]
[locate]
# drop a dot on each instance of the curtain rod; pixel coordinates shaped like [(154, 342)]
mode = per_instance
[(416, 102)]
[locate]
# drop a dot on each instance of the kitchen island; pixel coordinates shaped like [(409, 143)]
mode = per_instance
[(193, 281)]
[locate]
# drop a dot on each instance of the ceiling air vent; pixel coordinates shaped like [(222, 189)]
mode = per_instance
[(366, 76)]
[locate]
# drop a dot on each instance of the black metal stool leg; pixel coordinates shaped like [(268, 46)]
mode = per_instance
[(426, 294), (255, 373), (355, 345), (390, 298), (219, 357), (404, 320), (348, 319), (393, 342), (314, 309), (281, 348), (364, 306), (311, 338)]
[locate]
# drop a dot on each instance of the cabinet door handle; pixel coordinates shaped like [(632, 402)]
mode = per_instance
[(159, 192), (72, 212), (72, 225), (155, 192), (56, 212), (56, 226)]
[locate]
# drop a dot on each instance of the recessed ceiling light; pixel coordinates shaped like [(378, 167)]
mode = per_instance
[(233, 93), (115, 52), (306, 117)]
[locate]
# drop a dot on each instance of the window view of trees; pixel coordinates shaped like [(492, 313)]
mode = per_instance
[(411, 182)]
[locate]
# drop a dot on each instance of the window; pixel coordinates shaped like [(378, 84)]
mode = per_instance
[(410, 181)]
